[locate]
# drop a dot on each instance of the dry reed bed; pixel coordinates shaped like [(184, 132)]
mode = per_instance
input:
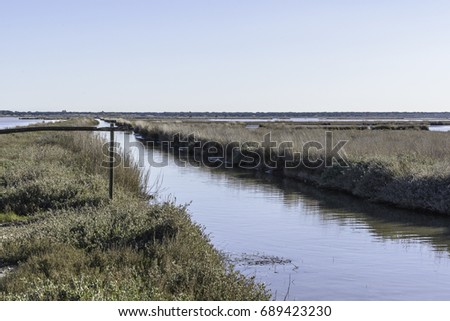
[(406, 168)]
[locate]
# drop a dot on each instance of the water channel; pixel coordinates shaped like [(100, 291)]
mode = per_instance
[(305, 243)]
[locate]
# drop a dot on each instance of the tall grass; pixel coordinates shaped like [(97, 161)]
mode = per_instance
[(406, 168)]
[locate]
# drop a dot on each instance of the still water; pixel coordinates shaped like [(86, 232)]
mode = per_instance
[(305, 243), (10, 122), (440, 128)]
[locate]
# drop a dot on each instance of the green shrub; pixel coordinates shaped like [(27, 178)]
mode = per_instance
[(82, 246)]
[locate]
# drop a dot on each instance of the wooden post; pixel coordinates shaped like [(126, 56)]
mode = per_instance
[(111, 161)]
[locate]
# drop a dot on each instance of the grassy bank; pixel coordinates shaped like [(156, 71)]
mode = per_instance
[(66, 240), (406, 168)]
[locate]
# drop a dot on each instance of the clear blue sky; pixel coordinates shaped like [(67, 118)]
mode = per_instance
[(211, 55)]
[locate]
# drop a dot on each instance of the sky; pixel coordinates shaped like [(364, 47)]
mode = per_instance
[(227, 55)]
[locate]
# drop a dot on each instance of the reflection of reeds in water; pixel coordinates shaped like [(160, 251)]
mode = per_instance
[(383, 221)]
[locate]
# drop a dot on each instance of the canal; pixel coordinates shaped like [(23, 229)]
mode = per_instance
[(306, 243)]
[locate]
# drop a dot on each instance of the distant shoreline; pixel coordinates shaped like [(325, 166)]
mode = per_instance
[(425, 116)]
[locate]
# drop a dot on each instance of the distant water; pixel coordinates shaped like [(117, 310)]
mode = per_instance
[(11, 122), (440, 128)]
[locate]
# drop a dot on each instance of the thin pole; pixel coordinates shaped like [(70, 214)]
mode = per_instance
[(111, 161)]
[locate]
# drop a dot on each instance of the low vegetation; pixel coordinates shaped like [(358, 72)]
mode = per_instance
[(407, 168), (67, 241)]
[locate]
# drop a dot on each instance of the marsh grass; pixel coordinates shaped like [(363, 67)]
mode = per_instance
[(82, 246), (120, 252), (11, 217), (406, 168)]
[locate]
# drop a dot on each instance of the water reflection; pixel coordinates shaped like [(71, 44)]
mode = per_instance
[(384, 222)]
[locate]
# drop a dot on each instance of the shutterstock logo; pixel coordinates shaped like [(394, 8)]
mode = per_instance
[(266, 154)]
